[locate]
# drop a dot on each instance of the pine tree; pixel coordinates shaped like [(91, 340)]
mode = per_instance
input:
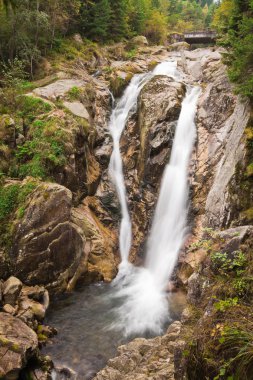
[(95, 19), (119, 27)]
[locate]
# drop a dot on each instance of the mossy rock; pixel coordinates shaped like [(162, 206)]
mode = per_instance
[(13, 198), (119, 83)]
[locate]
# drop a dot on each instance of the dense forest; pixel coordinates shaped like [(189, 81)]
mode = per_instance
[(32, 29), (233, 20)]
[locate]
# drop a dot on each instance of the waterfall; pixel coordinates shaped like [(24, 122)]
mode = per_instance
[(145, 307), (117, 124), (169, 224)]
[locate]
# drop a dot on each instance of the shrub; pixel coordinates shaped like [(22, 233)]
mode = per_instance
[(74, 93), (30, 108), (237, 344), (44, 151), (225, 264), (223, 305)]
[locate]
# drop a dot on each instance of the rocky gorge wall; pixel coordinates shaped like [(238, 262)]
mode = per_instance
[(66, 230)]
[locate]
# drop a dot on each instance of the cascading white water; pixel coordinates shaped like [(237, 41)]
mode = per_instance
[(169, 224), (117, 123), (145, 306)]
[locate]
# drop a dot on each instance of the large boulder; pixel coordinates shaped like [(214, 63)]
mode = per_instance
[(18, 343), (139, 41), (179, 46), (47, 246), (58, 89)]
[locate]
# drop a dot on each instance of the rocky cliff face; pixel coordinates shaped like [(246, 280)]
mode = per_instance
[(64, 228), (78, 221), (222, 119)]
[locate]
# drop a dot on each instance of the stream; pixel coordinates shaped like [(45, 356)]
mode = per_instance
[(83, 319)]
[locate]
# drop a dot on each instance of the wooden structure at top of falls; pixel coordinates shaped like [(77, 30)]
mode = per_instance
[(195, 37)]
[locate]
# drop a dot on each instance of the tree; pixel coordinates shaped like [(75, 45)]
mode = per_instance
[(156, 27), (98, 20), (7, 4), (234, 21), (138, 13), (119, 27)]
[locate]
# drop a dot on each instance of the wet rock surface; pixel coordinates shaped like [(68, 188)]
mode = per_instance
[(146, 146)]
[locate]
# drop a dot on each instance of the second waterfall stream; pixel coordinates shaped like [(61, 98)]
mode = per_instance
[(143, 289)]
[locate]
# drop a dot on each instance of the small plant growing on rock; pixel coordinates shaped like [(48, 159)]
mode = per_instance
[(74, 93), (223, 305), (225, 264)]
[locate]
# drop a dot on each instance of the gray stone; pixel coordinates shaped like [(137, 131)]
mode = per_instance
[(78, 109), (11, 290), (18, 343), (58, 89)]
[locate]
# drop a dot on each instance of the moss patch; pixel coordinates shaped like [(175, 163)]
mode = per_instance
[(12, 199)]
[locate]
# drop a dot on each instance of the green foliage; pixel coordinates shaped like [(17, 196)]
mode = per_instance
[(189, 14), (28, 31), (203, 243), (12, 198), (95, 19), (119, 27), (30, 108), (12, 76), (8, 199), (74, 93), (234, 21), (156, 27), (237, 344), (223, 305), (241, 286), (43, 151), (131, 54), (225, 264), (249, 170)]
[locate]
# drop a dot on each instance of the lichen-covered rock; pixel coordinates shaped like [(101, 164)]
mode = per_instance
[(7, 130), (179, 46), (139, 41), (18, 343)]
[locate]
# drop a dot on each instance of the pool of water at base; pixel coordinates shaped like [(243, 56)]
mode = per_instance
[(85, 341)]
